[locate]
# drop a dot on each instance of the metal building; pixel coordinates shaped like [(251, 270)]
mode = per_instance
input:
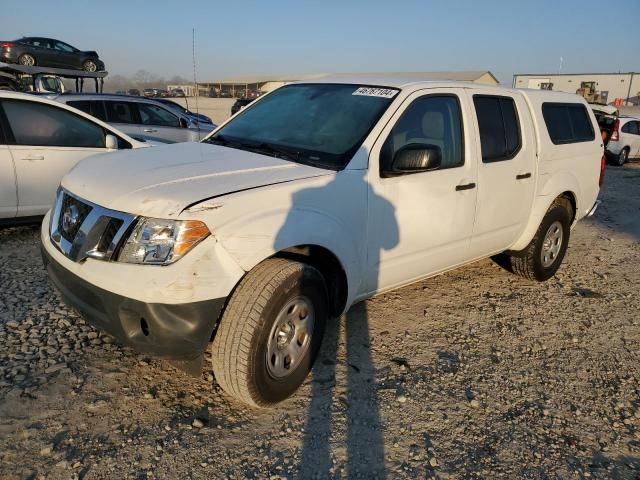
[(607, 88), (245, 85)]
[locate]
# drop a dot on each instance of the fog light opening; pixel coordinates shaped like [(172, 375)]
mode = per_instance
[(144, 326)]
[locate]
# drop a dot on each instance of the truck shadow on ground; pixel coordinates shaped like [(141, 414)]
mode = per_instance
[(364, 431)]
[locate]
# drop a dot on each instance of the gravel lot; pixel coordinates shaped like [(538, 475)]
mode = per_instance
[(473, 374)]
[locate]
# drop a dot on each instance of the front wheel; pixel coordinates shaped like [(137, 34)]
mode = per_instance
[(544, 254), (270, 332), (89, 66)]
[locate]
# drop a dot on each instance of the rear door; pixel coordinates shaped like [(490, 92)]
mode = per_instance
[(159, 122), (506, 170), (8, 190), (46, 142), (124, 116)]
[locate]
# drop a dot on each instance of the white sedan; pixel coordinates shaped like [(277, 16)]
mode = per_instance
[(40, 141)]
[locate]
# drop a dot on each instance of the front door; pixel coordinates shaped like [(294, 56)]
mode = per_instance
[(421, 223), (46, 142), (159, 122), (506, 159), (8, 192)]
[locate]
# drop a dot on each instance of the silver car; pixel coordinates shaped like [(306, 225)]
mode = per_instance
[(140, 118)]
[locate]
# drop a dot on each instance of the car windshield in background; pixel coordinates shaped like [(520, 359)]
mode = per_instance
[(317, 124)]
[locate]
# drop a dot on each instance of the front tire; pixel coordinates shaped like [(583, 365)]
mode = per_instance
[(270, 332), (541, 259), (27, 60), (89, 66)]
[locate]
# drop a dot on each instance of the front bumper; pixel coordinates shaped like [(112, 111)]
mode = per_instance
[(173, 331)]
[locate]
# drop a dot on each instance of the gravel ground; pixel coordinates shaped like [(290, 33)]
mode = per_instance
[(472, 374)]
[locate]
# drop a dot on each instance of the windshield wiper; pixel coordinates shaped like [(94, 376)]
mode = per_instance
[(257, 147), (275, 150)]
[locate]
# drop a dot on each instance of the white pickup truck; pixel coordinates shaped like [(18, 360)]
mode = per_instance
[(314, 197)]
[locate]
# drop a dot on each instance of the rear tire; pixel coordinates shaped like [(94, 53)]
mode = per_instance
[(541, 259), (278, 310), (27, 60), (621, 158)]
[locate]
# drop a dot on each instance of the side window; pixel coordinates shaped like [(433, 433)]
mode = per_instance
[(98, 110), (432, 120), (630, 127), (38, 124), (567, 122), (63, 47), (2, 136), (155, 115), (499, 127), (119, 112), (92, 107)]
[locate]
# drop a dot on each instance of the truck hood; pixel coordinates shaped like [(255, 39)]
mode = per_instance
[(163, 181)]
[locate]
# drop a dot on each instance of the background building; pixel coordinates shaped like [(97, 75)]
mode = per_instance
[(608, 88), (245, 86)]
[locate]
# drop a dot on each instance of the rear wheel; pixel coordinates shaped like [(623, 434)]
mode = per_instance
[(622, 157), (543, 256), (270, 332), (89, 66), (27, 60)]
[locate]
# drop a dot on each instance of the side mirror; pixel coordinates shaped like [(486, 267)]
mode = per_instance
[(111, 142), (416, 157), (184, 123)]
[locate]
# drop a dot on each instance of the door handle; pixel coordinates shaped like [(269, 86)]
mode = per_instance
[(522, 176), (468, 186), (150, 130), (33, 157)]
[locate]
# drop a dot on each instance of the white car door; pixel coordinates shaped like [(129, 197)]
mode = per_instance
[(421, 223), (159, 122), (46, 142), (8, 190), (506, 159)]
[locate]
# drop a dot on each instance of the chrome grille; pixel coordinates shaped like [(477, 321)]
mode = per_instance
[(68, 204), (81, 229)]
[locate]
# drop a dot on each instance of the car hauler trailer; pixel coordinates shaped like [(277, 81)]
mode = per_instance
[(23, 78)]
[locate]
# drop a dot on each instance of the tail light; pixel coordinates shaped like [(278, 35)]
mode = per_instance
[(603, 164), (615, 136), (7, 44)]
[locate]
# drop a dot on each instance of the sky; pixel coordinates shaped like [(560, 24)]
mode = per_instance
[(294, 37)]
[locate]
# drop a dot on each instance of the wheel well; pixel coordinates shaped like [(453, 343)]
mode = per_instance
[(572, 200), (330, 268)]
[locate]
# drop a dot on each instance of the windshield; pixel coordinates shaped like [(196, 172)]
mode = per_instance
[(317, 124), (174, 106)]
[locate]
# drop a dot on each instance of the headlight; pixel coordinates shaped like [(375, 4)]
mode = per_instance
[(161, 242)]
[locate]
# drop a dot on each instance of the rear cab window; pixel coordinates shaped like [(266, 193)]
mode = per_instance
[(500, 137), (567, 123)]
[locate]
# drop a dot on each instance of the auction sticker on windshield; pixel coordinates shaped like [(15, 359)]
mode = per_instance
[(376, 92)]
